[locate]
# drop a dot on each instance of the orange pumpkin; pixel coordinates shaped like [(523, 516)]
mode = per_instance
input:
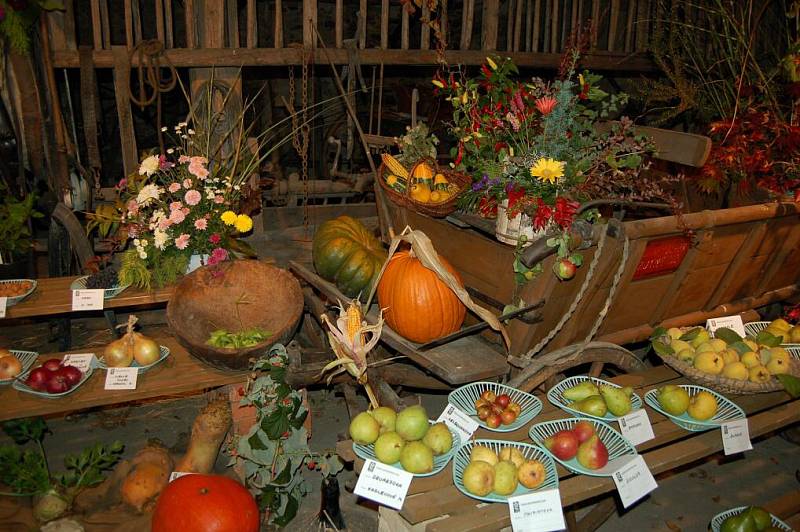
[(418, 306)]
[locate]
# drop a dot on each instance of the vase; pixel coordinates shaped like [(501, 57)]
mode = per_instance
[(197, 260), (509, 230)]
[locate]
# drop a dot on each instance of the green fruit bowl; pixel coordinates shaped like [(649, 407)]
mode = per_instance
[(716, 522), (13, 300), (464, 399), (615, 443), (108, 293), (163, 354), (556, 397), (755, 327), (530, 452), (367, 452), (26, 358), (727, 410)]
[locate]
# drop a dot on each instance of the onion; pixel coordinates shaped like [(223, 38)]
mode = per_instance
[(145, 350), (132, 346), (118, 354)]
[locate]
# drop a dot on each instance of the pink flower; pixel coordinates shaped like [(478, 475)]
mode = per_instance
[(187, 183), (218, 199), (192, 197), (197, 167), (217, 256), (184, 159), (186, 211), (175, 206), (174, 187), (164, 223), (198, 159), (215, 238), (163, 163), (133, 207), (182, 241), (177, 216), (122, 183), (200, 224), (546, 104)]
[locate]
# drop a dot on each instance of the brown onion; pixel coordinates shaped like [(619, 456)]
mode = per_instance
[(118, 354), (145, 350)]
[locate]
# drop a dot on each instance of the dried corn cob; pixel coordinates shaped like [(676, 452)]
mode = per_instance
[(394, 166)]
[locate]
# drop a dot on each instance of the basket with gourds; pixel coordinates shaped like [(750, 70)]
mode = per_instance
[(426, 189)]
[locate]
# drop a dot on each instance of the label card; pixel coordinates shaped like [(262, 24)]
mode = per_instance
[(634, 480), (82, 361), (3, 305), (178, 474), (736, 436), (383, 484), (539, 511), (733, 323), (636, 427), (459, 422), (88, 299), (121, 378)]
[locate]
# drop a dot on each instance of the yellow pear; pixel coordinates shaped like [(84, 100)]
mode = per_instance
[(719, 345), (709, 362), (794, 335), (750, 359), (729, 356), (764, 355), (780, 324), (674, 333), (704, 347), (777, 366), (702, 406), (759, 374), (751, 344), (701, 338), (736, 370), (483, 454), (680, 345), (687, 355), (779, 352)]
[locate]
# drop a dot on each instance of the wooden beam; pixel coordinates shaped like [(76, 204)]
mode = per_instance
[(232, 22), (517, 27), (537, 23), (122, 82), (642, 24), (168, 25), (384, 24), (97, 25), (252, 24), (467, 16), (278, 24), (339, 24), (404, 29), (159, 8), (629, 29), (362, 24), (425, 31), (309, 23), (554, 44), (613, 21), (128, 23), (191, 31), (62, 28), (491, 19)]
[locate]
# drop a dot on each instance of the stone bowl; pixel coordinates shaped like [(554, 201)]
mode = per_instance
[(234, 295)]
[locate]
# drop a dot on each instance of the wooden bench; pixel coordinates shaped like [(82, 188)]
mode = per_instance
[(436, 505)]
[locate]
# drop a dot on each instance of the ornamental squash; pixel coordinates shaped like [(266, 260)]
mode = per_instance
[(205, 503), (418, 305), (347, 254)]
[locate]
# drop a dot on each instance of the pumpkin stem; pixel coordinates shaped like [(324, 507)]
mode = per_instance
[(203, 491)]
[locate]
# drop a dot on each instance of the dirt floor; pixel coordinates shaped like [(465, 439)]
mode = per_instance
[(684, 501)]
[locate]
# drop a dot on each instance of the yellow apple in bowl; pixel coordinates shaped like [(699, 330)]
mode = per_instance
[(709, 362), (702, 406)]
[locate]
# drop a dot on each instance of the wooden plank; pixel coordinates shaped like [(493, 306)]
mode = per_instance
[(742, 260), (629, 28), (425, 30), (384, 24), (546, 29), (362, 24), (252, 24), (179, 374), (404, 30), (62, 27), (159, 9), (97, 25), (537, 24), (490, 21), (512, 7), (183, 57), (528, 25), (309, 23), (232, 21), (642, 23), (517, 26), (122, 76), (595, 21), (137, 21), (467, 15), (191, 30), (613, 23), (279, 24), (129, 42), (554, 44), (169, 30), (443, 21), (339, 25)]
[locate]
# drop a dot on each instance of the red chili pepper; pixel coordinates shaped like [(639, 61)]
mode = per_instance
[(460, 154)]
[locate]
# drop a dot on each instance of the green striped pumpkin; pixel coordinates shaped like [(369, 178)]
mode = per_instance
[(347, 254)]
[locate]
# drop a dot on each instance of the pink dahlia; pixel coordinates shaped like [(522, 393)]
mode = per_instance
[(174, 187), (175, 206), (215, 238), (182, 241), (177, 216), (192, 197), (200, 224), (217, 256)]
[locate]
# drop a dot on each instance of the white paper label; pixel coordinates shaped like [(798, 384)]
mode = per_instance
[(733, 323), (88, 299), (3, 305), (82, 361), (736, 436), (636, 427), (634, 480), (178, 474), (121, 378), (539, 511), (459, 422), (383, 484)]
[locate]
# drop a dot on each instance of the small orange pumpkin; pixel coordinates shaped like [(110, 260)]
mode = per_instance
[(418, 305)]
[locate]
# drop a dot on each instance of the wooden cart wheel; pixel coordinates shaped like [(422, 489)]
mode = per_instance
[(547, 366)]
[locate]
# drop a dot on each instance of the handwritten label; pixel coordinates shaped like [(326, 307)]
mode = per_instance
[(383, 484), (178, 474), (3, 305), (733, 323), (88, 299), (539, 511), (121, 378), (634, 480), (636, 427), (736, 436), (459, 422), (82, 361)]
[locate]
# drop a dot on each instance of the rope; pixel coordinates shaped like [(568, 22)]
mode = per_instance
[(148, 69)]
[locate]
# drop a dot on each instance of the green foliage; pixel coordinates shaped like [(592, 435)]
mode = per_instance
[(16, 26), (134, 270), (86, 469), (245, 338), (15, 233), (275, 449), (418, 143)]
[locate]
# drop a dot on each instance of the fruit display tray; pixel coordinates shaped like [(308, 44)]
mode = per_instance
[(716, 522), (727, 410), (114, 291), (755, 327), (367, 452), (464, 399), (164, 353), (20, 385), (530, 452), (554, 395), (26, 358), (615, 443), (11, 301)]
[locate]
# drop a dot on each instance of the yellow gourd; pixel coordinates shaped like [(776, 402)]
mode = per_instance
[(423, 172), (420, 192)]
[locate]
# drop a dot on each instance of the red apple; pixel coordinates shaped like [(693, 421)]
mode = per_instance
[(563, 444), (484, 412), (489, 396), (493, 421), (583, 430), (564, 269), (37, 379), (503, 400), (58, 383), (496, 409), (52, 364), (10, 367), (72, 374), (508, 417)]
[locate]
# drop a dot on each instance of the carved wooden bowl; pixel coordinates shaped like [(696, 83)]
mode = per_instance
[(235, 295)]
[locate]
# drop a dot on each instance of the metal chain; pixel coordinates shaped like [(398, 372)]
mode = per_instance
[(305, 129)]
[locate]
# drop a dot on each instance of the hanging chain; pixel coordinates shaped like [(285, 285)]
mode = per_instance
[(301, 129)]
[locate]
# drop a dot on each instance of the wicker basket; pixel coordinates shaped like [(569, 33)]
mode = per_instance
[(435, 210)]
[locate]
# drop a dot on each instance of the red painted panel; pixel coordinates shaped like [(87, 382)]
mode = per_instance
[(661, 256)]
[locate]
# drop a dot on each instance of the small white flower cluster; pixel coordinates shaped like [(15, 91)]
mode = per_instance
[(140, 244)]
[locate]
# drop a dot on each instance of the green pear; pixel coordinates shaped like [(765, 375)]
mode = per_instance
[(617, 401), (673, 399), (738, 523), (594, 405), (760, 516), (580, 391)]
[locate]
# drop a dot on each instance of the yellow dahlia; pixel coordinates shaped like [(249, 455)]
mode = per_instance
[(228, 217), (243, 223), (548, 170)]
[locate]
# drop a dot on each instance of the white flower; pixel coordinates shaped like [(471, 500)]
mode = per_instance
[(142, 255), (236, 187), (163, 129), (149, 166), (160, 238), (148, 192), (136, 242), (184, 137), (170, 151), (144, 243), (181, 124), (190, 131)]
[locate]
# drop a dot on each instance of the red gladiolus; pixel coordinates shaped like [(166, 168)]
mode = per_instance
[(564, 213)]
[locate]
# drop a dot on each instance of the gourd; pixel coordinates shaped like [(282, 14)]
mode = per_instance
[(422, 173), (347, 254), (418, 305), (205, 503)]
